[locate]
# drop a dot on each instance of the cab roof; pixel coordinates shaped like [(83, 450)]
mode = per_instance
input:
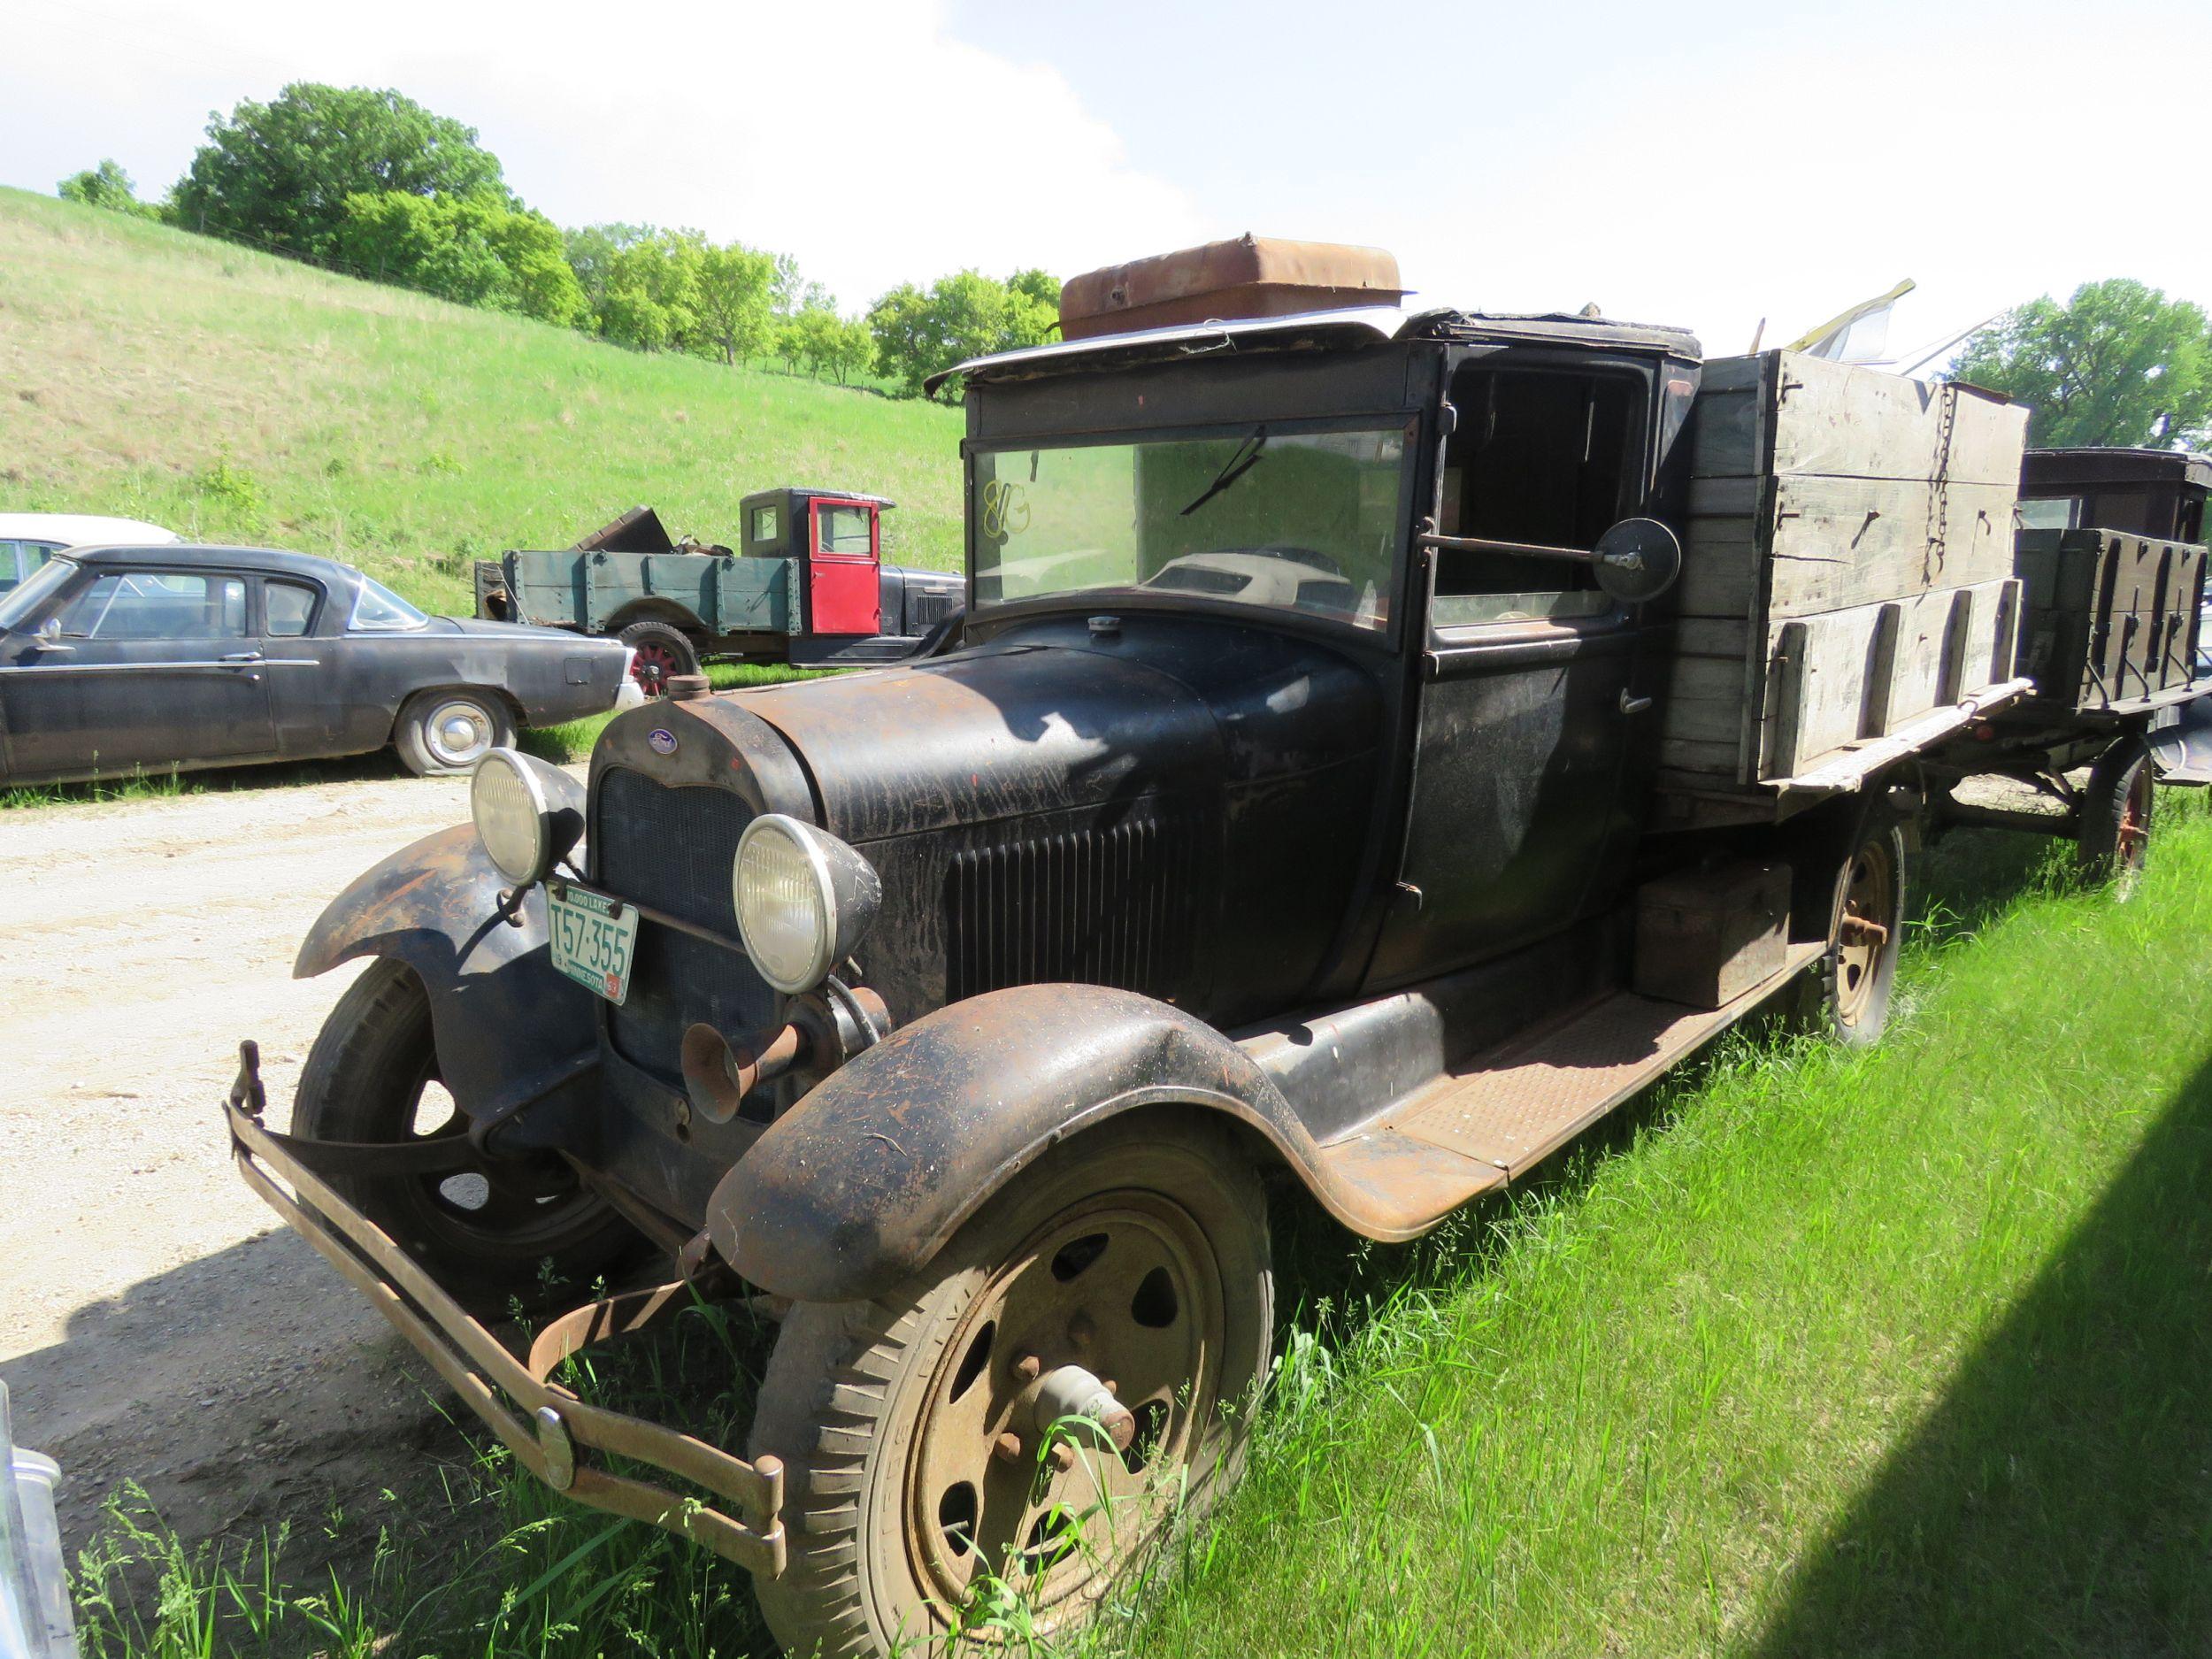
[(1322, 331)]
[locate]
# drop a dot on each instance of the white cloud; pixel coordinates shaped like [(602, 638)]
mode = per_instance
[(858, 135)]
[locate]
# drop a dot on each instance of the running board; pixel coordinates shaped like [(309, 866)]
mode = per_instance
[(1508, 1108)]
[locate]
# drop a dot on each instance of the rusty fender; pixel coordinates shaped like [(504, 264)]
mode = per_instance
[(864, 1180), (509, 1029)]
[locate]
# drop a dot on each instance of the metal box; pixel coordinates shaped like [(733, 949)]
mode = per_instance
[(1704, 937)]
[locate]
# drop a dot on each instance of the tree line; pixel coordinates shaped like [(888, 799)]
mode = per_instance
[(370, 183)]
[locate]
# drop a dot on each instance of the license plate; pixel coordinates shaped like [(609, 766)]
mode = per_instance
[(593, 939)]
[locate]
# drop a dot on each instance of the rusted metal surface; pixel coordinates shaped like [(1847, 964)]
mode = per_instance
[(510, 1030), (546, 1428), (1248, 276)]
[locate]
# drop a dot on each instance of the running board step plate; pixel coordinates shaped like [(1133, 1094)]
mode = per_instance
[(1508, 1108)]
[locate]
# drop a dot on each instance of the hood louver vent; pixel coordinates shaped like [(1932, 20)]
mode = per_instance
[(1107, 906)]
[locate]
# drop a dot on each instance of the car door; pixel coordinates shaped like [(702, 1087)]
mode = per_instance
[(842, 594), (1532, 681), (307, 689), (148, 667)]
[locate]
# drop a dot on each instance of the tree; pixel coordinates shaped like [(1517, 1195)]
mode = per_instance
[(651, 297), (476, 249), (107, 185), (736, 287), (281, 172), (918, 334), (2118, 363)]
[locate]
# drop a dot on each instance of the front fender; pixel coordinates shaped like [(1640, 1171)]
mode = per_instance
[(860, 1183), (509, 1028)]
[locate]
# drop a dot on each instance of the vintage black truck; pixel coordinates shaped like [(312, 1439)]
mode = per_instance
[(1329, 784), (806, 585)]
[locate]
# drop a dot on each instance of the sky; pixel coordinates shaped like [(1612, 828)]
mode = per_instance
[(1708, 163)]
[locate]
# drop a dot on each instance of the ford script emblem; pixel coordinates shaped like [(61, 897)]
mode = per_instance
[(662, 740)]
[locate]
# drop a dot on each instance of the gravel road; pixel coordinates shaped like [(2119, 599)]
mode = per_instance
[(156, 1322)]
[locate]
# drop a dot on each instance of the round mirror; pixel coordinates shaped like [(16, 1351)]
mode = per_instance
[(1637, 559)]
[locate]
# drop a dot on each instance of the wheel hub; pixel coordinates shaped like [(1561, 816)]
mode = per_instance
[(1864, 930)]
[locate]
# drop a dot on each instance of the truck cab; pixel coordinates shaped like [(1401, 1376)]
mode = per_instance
[(853, 607)]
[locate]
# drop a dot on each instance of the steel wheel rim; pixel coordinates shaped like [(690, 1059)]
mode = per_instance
[(457, 734), (1057, 1531), (506, 1217), (1869, 900), (2130, 837)]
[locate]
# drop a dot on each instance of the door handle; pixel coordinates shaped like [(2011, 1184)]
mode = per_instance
[(244, 657), (1632, 705)]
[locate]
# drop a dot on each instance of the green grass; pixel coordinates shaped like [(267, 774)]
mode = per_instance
[(1895, 1351), (236, 396)]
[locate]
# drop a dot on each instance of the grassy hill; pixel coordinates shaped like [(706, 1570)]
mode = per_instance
[(236, 396)]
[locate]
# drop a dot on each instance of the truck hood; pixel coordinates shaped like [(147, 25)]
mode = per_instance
[(996, 732)]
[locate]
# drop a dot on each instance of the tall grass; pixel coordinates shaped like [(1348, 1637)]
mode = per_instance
[(1900, 1351), (233, 396)]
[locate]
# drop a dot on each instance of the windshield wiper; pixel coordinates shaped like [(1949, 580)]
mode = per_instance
[(1236, 466)]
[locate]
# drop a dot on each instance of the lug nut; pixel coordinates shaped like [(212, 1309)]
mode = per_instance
[(1028, 1367), (1063, 1456), (1007, 1449)]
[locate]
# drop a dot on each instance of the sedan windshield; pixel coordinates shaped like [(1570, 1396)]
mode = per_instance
[(19, 606), (1304, 521)]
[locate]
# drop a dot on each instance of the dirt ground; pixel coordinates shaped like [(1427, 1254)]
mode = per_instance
[(158, 1323)]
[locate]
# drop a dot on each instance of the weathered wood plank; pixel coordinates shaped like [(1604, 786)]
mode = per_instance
[(1790, 414), (1839, 542)]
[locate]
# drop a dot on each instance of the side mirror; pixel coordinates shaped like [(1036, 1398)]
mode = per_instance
[(1637, 560), (49, 631)]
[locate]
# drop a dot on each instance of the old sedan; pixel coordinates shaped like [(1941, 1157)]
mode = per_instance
[(117, 660)]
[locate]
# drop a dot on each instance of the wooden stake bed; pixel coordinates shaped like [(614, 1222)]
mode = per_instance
[(1507, 1109), (1847, 577)]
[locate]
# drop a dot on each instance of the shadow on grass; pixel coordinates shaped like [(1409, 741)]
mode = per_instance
[(2059, 1499)]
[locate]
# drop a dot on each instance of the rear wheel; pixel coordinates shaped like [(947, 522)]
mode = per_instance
[(450, 731), (1866, 912), (372, 1077), (1031, 1408), (2116, 817), (661, 653)]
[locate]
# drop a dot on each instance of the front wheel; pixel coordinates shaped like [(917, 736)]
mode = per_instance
[(1073, 1370), (441, 732), (2115, 834), (486, 1235)]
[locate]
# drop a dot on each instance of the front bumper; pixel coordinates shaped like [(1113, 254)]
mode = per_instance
[(547, 1428)]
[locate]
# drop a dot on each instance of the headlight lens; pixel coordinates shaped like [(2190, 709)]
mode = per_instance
[(804, 900), (511, 812)]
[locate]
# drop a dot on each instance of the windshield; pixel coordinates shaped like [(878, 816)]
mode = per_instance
[(20, 605), (380, 611), (1307, 521)]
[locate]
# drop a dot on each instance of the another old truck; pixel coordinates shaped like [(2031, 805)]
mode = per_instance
[(807, 586), (1329, 784)]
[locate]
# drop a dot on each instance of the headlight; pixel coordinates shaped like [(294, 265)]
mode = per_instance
[(804, 900), (526, 813)]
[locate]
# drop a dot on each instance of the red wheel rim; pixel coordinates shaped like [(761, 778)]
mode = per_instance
[(651, 665)]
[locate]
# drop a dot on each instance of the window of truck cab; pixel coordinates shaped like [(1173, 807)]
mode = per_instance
[(1543, 455), (1303, 516)]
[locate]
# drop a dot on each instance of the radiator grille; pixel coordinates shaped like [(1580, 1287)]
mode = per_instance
[(1106, 906), (672, 849)]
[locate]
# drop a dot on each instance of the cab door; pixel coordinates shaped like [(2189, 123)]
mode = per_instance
[(843, 556), (1530, 695)]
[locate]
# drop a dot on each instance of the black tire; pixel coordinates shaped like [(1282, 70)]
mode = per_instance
[(663, 650), (370, 1077), (445, 732), (2113, 841), (857, 1395), (1849, 996)]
